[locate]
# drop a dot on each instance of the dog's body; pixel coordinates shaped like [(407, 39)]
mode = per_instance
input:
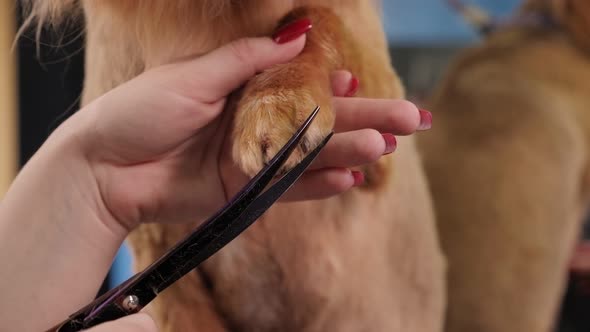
[(508, 166), (367, 260)]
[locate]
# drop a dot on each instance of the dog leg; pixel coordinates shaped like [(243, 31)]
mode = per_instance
[(505, 173), (277, 101), (273, 105)]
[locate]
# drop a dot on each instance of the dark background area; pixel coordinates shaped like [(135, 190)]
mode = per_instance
[(50, 82)]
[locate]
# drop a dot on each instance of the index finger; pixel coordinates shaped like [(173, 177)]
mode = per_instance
[(216, 74)]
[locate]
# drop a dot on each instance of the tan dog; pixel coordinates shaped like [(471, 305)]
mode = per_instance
[(508, 166), (367, 260)]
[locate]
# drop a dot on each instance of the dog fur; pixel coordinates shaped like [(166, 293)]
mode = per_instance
[(367, 260), (507, 163)]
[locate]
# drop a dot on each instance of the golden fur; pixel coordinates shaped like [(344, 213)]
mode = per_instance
[(367, 260), (508, 166)]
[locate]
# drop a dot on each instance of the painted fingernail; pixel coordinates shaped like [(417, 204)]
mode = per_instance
[(354, 87), (425, 120), (390, 143), (359, 178), (292, 31)]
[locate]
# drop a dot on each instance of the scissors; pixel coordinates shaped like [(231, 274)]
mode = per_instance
[(216, 232)]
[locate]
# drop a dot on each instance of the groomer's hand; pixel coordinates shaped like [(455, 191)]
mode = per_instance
[(155, 143), (150, 150), (134, 323)]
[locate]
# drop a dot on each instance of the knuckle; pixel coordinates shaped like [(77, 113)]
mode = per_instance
[(339, 182), (244, 50), (370, 147)]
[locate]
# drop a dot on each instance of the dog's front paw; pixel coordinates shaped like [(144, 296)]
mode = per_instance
[(272, 108)]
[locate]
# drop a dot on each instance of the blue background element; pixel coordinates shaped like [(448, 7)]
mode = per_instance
[(408, 23), (428, 22), (122, 267)]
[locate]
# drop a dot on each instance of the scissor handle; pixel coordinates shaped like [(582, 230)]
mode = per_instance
[(76, 321)]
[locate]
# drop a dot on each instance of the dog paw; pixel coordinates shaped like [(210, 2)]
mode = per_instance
[(271, 109)]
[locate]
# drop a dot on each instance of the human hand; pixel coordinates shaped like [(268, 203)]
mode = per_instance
[(133, 323), (155, 144), (153, 150)]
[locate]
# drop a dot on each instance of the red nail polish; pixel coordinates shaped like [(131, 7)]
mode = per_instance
[(292, 31), (359, 178), (390, 143), (425, 120), (354, 87)]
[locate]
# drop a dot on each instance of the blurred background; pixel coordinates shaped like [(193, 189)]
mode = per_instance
[(424, 36)]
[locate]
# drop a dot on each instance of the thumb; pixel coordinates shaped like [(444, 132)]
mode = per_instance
[(216, 74), (134, 323)]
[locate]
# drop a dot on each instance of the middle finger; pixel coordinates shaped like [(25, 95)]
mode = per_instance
[(355, 148), (399, 117)]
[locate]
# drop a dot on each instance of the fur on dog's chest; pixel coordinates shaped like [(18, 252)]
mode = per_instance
[(309, 271), (258, 280)]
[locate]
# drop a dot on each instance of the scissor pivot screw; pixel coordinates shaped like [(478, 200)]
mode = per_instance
[(131, 302)]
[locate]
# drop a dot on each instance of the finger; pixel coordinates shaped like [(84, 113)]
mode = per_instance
[(134, 323), (341, 80), (220, 72), (355, 148), (324, 183), (398, 117)]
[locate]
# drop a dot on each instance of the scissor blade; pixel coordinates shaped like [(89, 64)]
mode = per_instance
[(262, 203), (267, 199), (261, 180)]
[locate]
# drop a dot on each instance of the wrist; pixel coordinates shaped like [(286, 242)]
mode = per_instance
[(71, 168)]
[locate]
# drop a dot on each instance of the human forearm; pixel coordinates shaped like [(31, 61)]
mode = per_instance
[(56, 244)]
